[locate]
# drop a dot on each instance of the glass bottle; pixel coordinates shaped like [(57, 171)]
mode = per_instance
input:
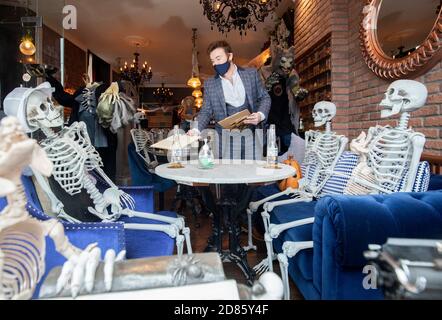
[(206, 158), (177, 149), (272, 148)]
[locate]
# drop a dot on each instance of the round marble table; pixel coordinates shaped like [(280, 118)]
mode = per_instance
[(227, 173)]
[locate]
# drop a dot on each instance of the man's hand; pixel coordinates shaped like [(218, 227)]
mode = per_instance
[(254, 119), (193, 132)]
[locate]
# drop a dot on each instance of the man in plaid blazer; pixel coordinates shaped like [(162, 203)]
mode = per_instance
[(231, 90)]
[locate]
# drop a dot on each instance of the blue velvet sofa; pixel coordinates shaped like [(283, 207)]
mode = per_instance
[(343, 228)]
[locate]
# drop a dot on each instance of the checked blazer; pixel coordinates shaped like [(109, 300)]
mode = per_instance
[(214, 105)]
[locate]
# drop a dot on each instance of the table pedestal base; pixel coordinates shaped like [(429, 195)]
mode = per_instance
[(228, 208)]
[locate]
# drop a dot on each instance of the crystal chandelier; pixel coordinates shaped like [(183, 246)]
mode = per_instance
[(133, 74), (237, 14), (163, 94)]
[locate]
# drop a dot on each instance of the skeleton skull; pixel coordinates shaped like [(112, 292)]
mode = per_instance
[(403, 96), (323, 111), (41, 112), (33, 107)]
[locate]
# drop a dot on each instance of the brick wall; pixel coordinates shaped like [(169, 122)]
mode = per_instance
[(355, 89), (312, 21)]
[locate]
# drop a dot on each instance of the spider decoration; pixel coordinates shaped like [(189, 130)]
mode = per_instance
[(185, 268)]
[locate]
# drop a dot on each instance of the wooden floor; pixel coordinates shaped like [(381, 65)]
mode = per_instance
[(199, 238)]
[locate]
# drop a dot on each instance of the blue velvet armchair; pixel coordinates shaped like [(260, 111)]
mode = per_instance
[(140, 175), (138, 243), (343, 228)]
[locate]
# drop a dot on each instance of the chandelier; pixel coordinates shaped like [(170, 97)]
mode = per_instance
[(194, 81), (163, 94), (237, 14), (133, 73)]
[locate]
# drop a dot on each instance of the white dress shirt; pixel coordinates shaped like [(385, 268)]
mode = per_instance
[(234, 91)]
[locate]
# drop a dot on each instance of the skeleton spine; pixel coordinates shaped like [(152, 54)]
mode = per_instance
[(403, 121), (48, 132), (95, 194), (18, 199), (328, 127)]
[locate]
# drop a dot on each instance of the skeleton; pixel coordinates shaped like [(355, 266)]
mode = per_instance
[(142, 140), (74, 157), (322, 151), (22, 237), (386, 152)]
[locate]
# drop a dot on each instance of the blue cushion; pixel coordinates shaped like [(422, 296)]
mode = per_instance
[(435, 182), (344, 168), (312, 168), (142, 243), (267, 191), (422, 178)]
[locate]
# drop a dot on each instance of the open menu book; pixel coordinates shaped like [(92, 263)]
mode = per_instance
[(166, 144), (235, 121)]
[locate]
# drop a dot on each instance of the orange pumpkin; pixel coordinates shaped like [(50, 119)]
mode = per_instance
[(292, 181)]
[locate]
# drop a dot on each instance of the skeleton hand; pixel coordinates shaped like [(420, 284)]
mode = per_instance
[(359, 145), (80, 270), (118, 199)]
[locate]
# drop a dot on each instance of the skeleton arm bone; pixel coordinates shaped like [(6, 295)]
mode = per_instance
[(276, 229), (56, 205), (179, 222), (418, 141), (303, 197), (253, 206)]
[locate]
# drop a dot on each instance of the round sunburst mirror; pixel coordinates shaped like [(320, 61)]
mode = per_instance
[(401, 39)]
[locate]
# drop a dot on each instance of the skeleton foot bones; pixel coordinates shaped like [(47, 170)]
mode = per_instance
[(22, 236)]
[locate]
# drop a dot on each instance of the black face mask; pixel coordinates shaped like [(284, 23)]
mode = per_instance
[(221, 69)]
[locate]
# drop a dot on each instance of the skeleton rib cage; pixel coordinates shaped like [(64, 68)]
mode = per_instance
[(389, 157), (321, 151), (22, 249), (142, 139), (72, 154)]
